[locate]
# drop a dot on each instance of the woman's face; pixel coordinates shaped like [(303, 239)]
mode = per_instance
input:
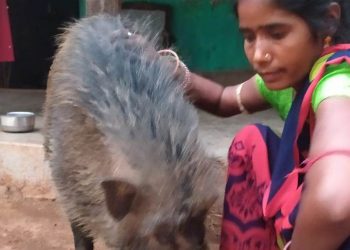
[(278, 44)]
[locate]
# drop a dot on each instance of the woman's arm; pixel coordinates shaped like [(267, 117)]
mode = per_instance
[(222, 101), (323, 220)]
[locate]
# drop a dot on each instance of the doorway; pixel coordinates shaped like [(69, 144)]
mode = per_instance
[(35, 25)]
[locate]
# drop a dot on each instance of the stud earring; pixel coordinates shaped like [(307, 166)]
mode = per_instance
[(327, 41)]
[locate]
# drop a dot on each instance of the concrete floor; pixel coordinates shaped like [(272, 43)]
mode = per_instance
[(22, 158), (22, 100), (216, 132)]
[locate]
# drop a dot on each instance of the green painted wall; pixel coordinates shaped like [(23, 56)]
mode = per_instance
[(82, 8), (206, 35)]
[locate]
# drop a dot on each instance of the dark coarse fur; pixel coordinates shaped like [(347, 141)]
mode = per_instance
[(115, 111)]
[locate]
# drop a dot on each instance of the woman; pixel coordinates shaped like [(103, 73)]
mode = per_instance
[(300, 50)]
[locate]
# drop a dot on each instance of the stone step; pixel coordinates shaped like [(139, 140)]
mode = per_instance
[(23, 169)]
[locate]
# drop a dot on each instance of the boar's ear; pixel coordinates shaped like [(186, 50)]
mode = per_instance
[(119, 197)]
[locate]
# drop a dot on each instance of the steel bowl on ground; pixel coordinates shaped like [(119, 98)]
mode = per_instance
[(19, 121)]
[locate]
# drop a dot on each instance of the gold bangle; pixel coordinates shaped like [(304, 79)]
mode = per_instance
[(187, 77), (241, 107), (179, 63), (173, 54)]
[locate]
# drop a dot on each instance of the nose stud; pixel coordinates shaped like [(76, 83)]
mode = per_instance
[(268, 57)]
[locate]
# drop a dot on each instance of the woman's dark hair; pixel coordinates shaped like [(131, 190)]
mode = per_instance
[(314, 12)]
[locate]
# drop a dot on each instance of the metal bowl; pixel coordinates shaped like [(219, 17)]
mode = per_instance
[(18, 122)]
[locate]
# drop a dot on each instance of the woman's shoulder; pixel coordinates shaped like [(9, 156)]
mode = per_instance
[(334, 82), (328, 55)]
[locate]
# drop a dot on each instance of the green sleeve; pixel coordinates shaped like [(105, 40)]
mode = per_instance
[(335, 82), (281, 100)]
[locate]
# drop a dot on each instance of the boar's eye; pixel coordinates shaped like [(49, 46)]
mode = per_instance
[(165, 234)]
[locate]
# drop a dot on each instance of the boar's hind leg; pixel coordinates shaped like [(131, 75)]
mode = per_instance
[(81, 240)]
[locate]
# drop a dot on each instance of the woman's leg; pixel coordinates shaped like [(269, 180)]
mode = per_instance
[(249, 158)]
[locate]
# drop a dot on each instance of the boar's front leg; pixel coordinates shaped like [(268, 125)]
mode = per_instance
[(81, 240)]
